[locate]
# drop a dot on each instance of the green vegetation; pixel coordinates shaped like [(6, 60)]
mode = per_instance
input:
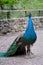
[(23, 4), (8, 4), (19, 4)]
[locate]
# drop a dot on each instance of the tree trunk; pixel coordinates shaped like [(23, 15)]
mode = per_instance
[(25, 13), (1, 5), (8, 14), (39, 13)]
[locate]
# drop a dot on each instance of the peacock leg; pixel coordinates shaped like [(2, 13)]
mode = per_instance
[(26, 49), (30, 51)]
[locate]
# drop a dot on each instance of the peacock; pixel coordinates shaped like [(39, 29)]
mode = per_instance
[(28, 38), (23, 42)]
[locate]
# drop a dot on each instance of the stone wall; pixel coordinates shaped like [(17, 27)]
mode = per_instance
[(17, 25)]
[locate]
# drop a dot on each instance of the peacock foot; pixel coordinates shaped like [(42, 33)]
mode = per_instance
[(30, 53)]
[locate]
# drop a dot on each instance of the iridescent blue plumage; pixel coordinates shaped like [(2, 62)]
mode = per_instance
[(29, 35)]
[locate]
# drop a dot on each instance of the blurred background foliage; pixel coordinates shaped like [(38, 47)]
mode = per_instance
[(20, 5)]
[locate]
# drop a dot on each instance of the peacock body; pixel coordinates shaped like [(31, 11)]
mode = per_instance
[(28, 38), (29, 35)]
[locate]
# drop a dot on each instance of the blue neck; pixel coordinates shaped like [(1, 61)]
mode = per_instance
[(29, 28), (30, 25)]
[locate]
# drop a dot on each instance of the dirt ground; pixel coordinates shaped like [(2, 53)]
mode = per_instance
[(37, 49)]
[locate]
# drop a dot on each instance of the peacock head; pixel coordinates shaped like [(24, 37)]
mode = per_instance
[(29, 15)]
